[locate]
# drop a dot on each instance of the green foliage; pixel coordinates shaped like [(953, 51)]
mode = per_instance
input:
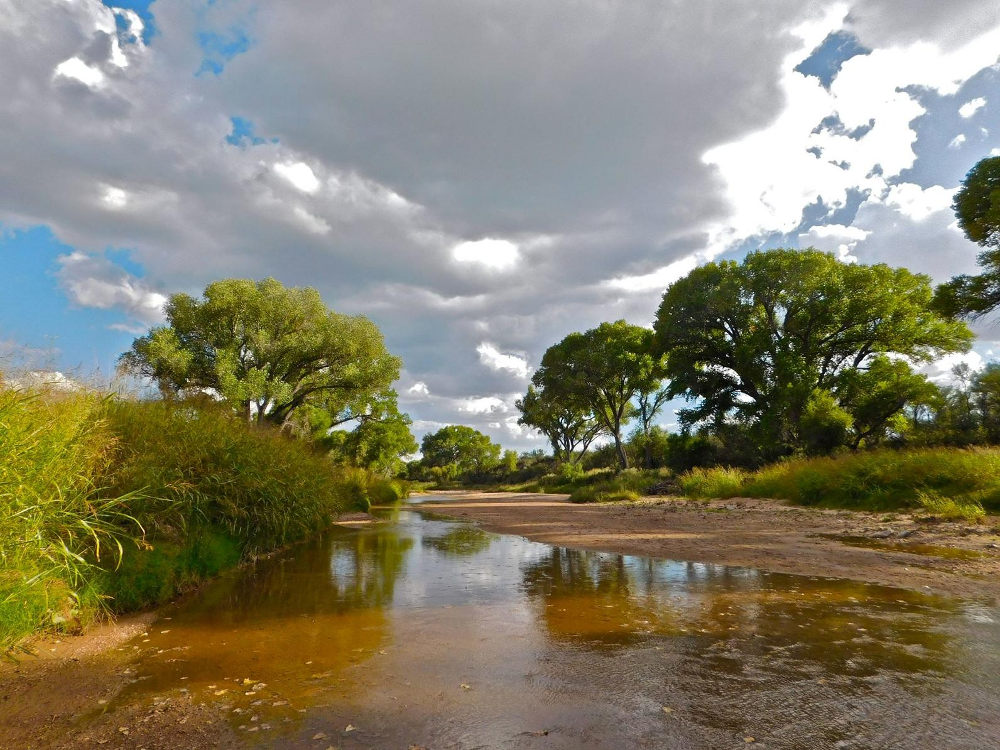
[(977, 207), (824, 426), (626, 485), (267, 350), (719, 481), (872, 480), (569, 426), (379, 442), (599, 372), (57, 523), (753, 341), (948, 509), (208, 467), (149, 577), (459, 450), (109, 504)]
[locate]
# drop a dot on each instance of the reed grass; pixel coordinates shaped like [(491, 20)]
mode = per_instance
[(111, 505)]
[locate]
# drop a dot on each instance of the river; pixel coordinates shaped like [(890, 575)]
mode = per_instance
[(424, 632)]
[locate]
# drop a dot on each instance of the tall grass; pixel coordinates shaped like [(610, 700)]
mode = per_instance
[(57, 524), (109, 504), (630, 484), (877, 480)]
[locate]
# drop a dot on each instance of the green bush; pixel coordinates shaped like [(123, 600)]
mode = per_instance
[(877, 480), (717, 482), (116, 504), (57, 524), (630, 484)]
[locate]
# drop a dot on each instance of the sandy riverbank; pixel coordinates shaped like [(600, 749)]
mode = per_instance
[(946, 558)]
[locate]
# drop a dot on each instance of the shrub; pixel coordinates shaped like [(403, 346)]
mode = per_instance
[(717, 482), (113, 504), (630, 484), (875, 480)]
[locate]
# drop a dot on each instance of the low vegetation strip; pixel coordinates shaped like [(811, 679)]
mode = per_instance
[(110, 505), (947, 482)]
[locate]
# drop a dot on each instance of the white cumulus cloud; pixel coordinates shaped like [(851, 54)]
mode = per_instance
[(299, 175), (496, 254), (493, 358), (972, 106)]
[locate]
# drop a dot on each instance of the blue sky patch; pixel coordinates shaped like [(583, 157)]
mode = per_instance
[(35, 312), (244, 134), (826, 60), (221, 47), (141, 8)]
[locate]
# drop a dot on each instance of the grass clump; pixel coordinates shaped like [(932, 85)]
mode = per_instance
[(116, 505), (948, 509), (715, 482), (630, 484), (58, 525), (964, 481)]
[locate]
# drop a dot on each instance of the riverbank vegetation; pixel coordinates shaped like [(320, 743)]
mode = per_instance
[(111, 504), (943, 482), (801, 377)]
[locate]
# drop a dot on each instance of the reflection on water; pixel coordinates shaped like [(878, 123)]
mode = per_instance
[(434, 633)]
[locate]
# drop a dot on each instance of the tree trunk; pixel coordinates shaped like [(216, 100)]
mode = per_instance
[(620, 447)]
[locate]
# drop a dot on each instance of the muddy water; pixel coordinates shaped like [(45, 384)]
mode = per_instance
[(424, 632)]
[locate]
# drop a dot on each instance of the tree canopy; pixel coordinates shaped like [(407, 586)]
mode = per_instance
[(466, 449), (380, 441), (755, 340), (267, 349), (569, 426), (977, 207), (599, 372)]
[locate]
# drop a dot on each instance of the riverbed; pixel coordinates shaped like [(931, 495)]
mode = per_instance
[(420, 631)]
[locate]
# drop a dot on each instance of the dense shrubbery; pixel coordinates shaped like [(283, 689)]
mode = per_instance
[(114, 504), (947, 482)]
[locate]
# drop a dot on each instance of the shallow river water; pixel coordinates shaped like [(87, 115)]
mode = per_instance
[(425, 632)]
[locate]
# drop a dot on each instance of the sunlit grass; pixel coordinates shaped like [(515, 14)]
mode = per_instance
[(947, 482), (112, 504)]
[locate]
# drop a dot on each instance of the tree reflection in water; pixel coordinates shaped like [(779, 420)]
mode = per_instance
[(846, 626)]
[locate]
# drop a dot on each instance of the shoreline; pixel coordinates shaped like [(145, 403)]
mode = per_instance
[(889, 549)]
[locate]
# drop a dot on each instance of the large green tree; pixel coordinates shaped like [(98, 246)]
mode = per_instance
[(380, 441), (466, 449), (267, 349), (754, 341), (599, 372), (977, 207), (570, 427)]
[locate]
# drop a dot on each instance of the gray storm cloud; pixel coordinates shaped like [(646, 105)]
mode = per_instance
[(468, 174)]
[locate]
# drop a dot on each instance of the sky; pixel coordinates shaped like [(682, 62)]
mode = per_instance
[(479, 177)]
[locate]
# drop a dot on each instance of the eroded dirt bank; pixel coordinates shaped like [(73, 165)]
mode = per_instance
[(894, 549)]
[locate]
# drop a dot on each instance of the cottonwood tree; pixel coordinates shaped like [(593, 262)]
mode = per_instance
[(379, 441), (977, 207), (267, 349), (570, 427), (648, 404), (753, 341), (600, 371), (466, 449)]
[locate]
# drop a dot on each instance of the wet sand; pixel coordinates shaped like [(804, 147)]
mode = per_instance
[(899, 549)]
